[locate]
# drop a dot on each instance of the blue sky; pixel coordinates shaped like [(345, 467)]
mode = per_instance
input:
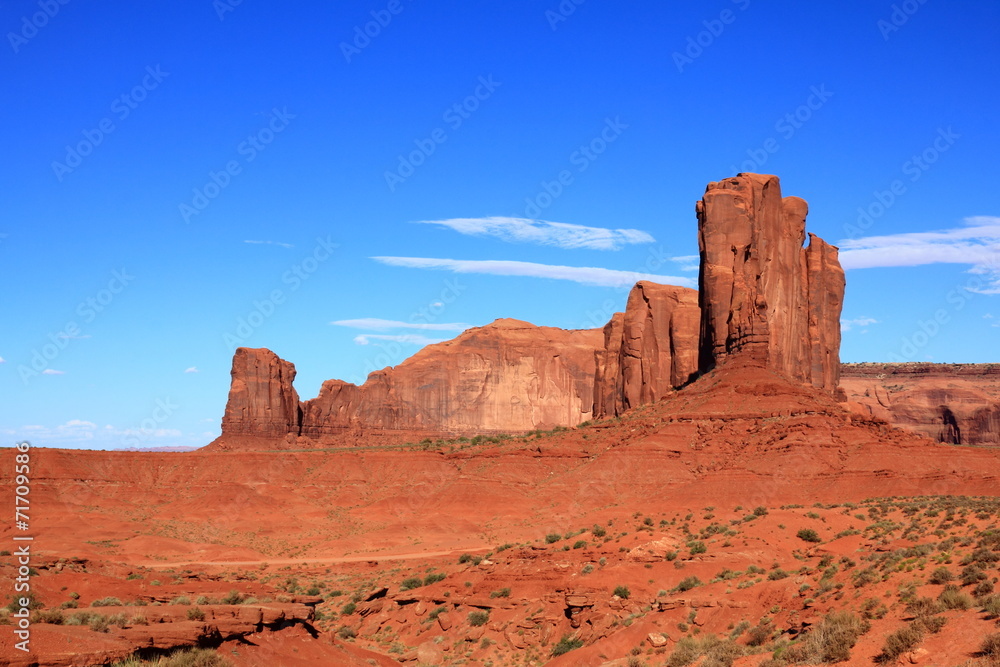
[(174, 169)]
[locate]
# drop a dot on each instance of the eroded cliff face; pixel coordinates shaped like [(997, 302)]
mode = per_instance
[(509, 376), (649, 350), (953, 403), (262, 400), (761, 293), (764, 298)]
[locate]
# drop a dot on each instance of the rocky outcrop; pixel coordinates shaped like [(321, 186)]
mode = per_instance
[(761, 293), (262, 401), (764, 298), (650, 349), (509, 376), (953, 403)]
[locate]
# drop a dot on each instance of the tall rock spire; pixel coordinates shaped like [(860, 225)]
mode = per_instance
[(262, 401), (761, 293)]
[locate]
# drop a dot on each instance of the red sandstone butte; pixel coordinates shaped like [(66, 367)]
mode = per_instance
[(262, 401), (649, 350), (953, 403), (761, 293), (508, 376)]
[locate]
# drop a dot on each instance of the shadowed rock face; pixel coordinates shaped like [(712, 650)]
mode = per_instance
[(953, 403), (650, 349), (761, 293), (262, 401)]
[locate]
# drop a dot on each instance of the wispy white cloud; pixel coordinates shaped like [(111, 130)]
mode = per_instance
[(277, 243), (192, 369), (148, 433), (848, 324), (376, 324), (586, 275), (75, 430), (413, 339), (977, 245), (52, 371), (80, 433), (544, 232), (688, 262), (2, 360)]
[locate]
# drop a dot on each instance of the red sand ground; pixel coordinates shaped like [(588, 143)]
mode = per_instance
[(202, 524)]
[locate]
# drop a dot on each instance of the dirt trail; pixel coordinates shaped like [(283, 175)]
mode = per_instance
[(312, 561)]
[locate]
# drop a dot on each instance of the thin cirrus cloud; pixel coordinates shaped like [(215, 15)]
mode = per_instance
[(192, 369), (977, 245), (544, 232), (586, 275), (277, 243), (848, 324), (52, 371), (688, 262), (412, 339), (376, 324)]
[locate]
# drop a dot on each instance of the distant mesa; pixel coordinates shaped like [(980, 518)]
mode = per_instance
[(764, 300), (507, 377)]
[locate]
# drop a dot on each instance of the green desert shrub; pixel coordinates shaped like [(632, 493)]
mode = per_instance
[(830, 641), (808, 535), (941, 575), (411, 583), (565, 645), (107, 602), (899, 642), (688, 583)]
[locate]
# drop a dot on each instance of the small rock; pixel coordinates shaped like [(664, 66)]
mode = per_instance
[(656, 639), (430, 653)]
